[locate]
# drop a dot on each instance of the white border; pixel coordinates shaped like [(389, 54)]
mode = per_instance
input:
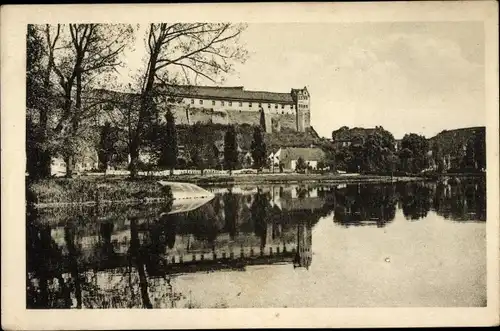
[(13, 27)]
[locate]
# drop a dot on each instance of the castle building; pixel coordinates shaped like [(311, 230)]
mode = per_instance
[(241, 106)]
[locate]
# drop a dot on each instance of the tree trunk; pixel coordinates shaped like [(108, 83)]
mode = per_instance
[(134, 159), (44, 154), (69, 166), (143, 111), (135, 250)]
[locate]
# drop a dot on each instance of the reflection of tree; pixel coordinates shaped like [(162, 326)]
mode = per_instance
[(260, 209), (106, 229), (136, 256), (44, 262), (416, 199), (73, 253), (461, 201), (231, 208), (204, 222), (364, 204)]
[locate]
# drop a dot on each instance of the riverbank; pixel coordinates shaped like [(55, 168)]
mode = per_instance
[(289, 178), (91, 190), (95, 190)]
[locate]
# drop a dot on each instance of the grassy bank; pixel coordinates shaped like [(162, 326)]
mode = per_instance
[(95, 190)]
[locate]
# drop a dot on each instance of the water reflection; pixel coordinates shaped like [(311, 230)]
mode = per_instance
[(126, 257)]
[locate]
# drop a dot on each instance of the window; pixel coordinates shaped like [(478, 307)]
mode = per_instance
[(282, 106), (230, 103), (282, 112), (276, 106), (241, 103), (222, 103), (192, 101), (268, 105), (213, 102), (201, 102), (249, 104)]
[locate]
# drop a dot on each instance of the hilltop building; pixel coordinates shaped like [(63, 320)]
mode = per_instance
[(238, 106), (222, 105)]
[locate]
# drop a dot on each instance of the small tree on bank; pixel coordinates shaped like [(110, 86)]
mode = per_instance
[(301, 165), (230, 149), (258, 149), (169, 154), (262, 120)]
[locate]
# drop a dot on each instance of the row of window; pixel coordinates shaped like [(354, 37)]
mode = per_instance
[(302, 106), (230, 103)]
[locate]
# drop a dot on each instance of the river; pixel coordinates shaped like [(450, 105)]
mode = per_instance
[(376, 245)]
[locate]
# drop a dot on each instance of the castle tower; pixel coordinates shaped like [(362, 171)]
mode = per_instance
[(303, 109)]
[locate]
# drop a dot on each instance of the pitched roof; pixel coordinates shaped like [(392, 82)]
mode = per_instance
[(308, 154), (231, 93)]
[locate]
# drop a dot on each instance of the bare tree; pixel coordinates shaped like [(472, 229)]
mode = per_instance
[(88, 51), (182, 51)]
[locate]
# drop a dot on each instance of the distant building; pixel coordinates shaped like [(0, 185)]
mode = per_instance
[(225, 105), (345, 137), (289, 156)]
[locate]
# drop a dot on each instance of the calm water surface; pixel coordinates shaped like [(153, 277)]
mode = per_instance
[(404, 245)]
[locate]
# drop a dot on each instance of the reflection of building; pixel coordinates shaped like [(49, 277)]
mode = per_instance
[(189, 256), (229, 232)]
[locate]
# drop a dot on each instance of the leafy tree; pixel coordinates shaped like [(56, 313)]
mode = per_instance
[(262, 120), (258, 147), (230, 149), (469, 159), (170, 151), (301, 165), (419, 146), (437, 155), (405, 155), (480, 149), (108, 139), (184, 51), (200, 141)]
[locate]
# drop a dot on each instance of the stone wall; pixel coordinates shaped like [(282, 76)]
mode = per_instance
[(188, 116)]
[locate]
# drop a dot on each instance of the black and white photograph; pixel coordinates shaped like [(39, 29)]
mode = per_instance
[(213, 164)]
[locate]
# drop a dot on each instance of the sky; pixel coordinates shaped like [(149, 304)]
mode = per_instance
[(407, 77)]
